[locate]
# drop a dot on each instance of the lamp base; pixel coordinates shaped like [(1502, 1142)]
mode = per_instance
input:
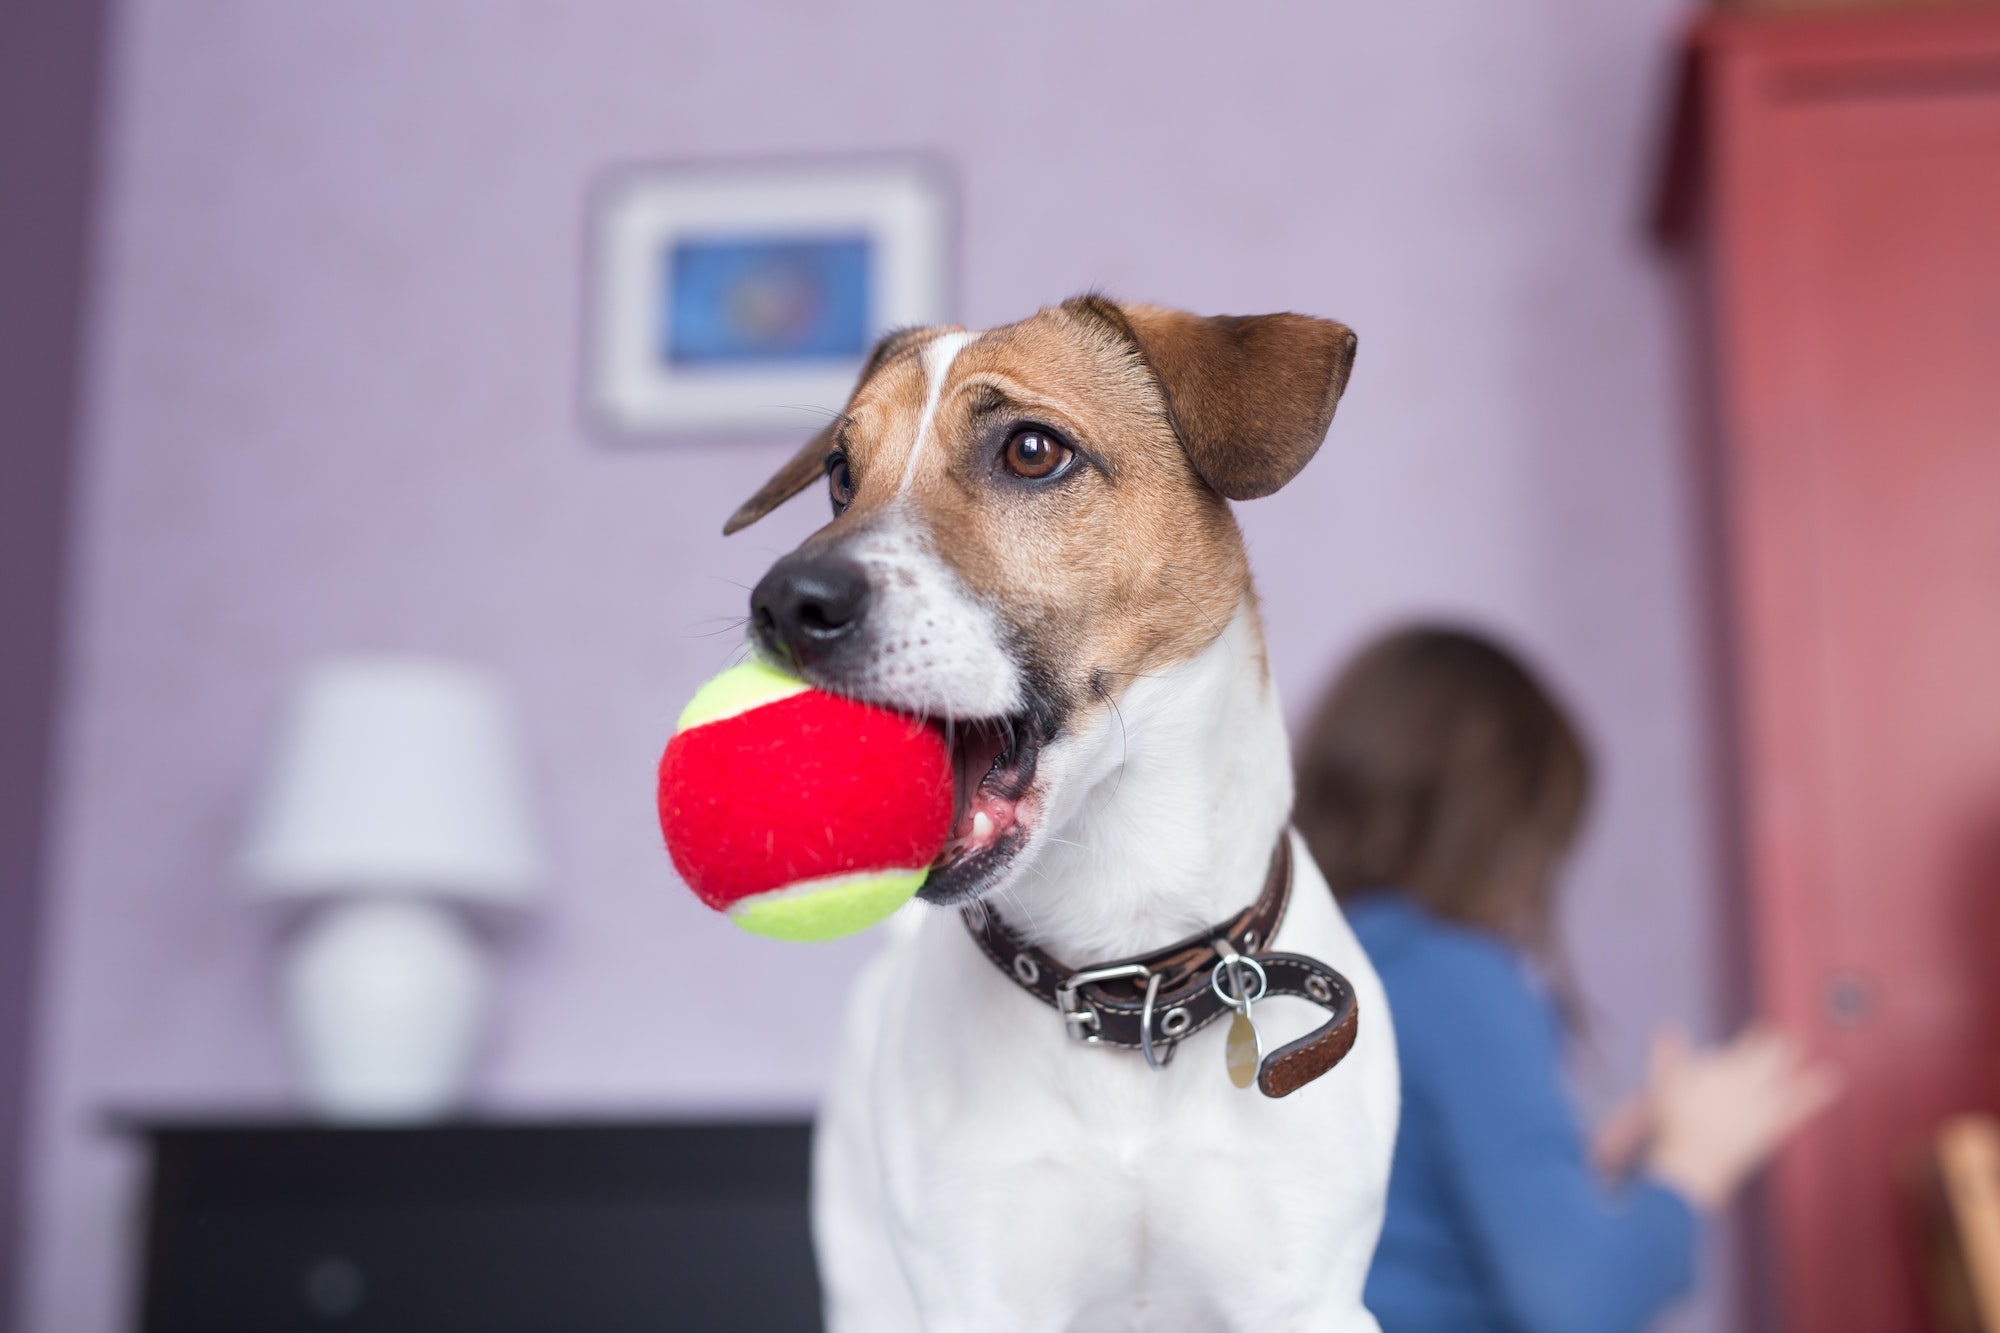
[(386, 999)]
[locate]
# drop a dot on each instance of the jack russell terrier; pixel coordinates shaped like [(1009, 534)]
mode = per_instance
[(1032, 543)]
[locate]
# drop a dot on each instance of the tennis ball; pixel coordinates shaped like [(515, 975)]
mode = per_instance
[(803, 815)]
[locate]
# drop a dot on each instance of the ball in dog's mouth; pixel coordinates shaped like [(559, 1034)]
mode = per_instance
[(993, 764)]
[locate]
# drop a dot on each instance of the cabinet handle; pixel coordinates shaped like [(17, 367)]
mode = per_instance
[(1849, 1000)]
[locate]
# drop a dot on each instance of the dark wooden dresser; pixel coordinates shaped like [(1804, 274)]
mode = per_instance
[(478, 1228)]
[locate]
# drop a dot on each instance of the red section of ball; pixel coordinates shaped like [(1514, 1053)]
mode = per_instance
[(811, 785)]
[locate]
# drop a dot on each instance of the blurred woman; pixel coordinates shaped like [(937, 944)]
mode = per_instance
[(1440, 787)]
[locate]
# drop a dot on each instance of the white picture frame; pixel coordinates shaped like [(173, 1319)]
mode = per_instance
[(746, 298)]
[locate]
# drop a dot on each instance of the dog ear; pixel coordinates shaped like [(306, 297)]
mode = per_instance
[(809, 463), (1251, 396), (804, 468)]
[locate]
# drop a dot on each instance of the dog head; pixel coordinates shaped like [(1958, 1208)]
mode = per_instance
[(1028, 519)]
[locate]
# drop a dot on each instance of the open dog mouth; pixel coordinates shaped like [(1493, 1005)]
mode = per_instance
[(993, 769)]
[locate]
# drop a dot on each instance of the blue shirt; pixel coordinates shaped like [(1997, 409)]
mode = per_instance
[(1496, 1219)]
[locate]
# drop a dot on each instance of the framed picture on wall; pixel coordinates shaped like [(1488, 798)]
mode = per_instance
[(745, 298)]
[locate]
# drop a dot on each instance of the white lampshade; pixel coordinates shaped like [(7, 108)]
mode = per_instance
[(399, 775)]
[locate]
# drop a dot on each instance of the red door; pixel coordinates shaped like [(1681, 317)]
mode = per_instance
[(1855, 197)]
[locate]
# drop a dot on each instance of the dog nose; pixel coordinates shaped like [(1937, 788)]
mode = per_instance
[(804, 608)]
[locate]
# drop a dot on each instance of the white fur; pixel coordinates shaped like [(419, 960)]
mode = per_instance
[(977, 1171), (938, 354), (938, 651)]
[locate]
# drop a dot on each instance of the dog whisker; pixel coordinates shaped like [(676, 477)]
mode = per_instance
[(1124, 739), (1178, 591), (825, 413), (1129, 675), (1026, 916)]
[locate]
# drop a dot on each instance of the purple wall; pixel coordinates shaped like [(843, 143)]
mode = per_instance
[(49, 57), (333, 406)]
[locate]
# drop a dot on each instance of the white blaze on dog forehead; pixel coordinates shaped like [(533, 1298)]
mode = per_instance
[(938, 650), (938, 354)]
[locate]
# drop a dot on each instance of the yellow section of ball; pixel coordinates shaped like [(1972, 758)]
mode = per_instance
[(826, 909), (745, 686)]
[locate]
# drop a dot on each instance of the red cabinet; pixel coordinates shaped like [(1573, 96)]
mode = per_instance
[(1851, 173)]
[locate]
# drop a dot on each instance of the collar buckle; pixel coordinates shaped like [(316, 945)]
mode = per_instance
[(1082, 1023)]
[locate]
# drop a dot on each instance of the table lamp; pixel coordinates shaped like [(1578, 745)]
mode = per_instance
[(397, 795)]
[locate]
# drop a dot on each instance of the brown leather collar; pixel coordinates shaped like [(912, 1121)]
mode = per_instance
[(1152, 1002)]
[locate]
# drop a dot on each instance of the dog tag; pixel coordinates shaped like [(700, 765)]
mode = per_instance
[(1244, 1052)]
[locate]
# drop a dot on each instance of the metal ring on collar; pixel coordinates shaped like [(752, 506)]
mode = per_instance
[(1146, 1027), (1228, 964)]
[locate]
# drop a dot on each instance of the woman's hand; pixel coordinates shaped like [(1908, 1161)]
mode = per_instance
[(1717, 1115)]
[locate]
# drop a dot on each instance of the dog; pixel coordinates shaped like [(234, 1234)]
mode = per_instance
[(1032, 543)]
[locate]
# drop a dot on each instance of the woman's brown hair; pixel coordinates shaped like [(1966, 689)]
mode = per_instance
[(1438, 766)]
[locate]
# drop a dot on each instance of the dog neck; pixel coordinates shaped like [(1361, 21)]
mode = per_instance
[(1166, 807)]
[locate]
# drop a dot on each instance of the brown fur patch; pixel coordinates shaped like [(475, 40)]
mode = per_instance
[(1251, 396), (1124, 564), (1130, 560), (809, 463)]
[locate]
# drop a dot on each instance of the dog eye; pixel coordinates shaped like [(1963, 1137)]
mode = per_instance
[(1035, 454), (840, 483)]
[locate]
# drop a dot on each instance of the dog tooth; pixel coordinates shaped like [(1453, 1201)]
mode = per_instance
[(982, 825)]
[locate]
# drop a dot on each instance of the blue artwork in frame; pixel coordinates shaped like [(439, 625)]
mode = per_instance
[(745, 297), (756, 300)]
